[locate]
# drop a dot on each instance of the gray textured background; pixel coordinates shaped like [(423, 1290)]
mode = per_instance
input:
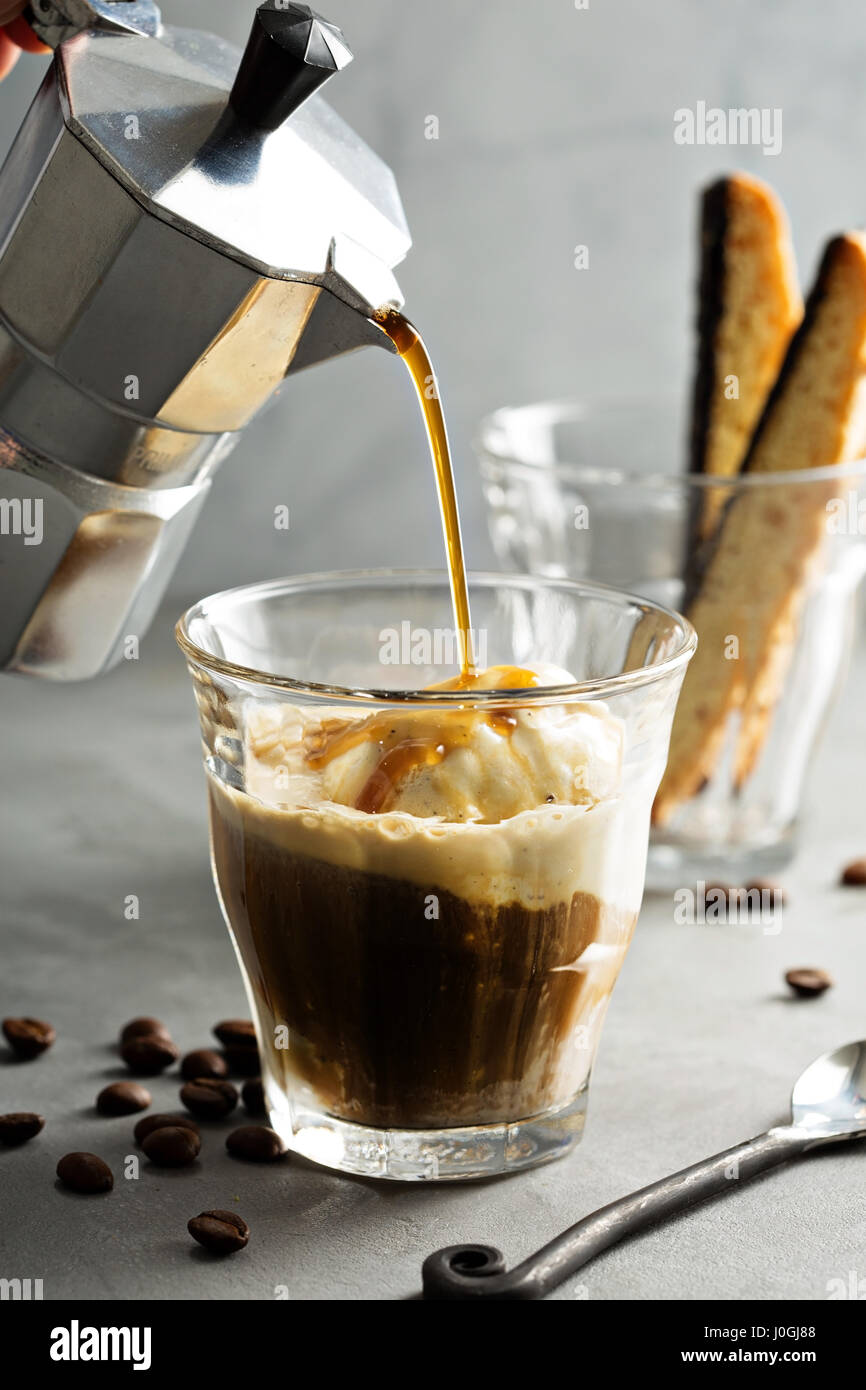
[(556, 128)]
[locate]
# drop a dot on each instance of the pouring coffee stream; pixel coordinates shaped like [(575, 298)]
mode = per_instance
[(410, 346), (430, 739)]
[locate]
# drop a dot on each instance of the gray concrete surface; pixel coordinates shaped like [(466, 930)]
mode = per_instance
[(104, 797)]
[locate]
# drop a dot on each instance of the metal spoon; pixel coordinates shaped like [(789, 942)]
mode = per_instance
[(828, 1105)]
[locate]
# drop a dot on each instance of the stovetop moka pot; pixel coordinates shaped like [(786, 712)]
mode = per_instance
[(179, 231)]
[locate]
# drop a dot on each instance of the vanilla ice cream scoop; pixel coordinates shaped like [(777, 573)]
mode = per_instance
[(452, 764)]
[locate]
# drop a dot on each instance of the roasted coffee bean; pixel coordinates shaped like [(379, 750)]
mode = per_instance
[(150, 1123), (28, 1037), (85, 1173), (149, 1054), (253, 1093), (204, 1062), (221, 1232), (123, 1098), (143, 1028), (854, 874), (209, 1098), (256, 1143), (17, 1129), (235, 1032), (808, 981), (738, 900), (175, 1146), (778, 896), (242, 1061)]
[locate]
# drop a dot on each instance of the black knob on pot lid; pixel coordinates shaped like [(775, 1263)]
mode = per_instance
[(291, 51)]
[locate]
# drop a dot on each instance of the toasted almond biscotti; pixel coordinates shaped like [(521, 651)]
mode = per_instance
[(769, 539), (749, 306)]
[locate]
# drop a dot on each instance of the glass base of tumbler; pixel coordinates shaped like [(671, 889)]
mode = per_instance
[(673, 864), (432, 1155)]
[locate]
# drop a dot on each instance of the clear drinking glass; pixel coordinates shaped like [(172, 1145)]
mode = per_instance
[(593, 491), (428, 989)]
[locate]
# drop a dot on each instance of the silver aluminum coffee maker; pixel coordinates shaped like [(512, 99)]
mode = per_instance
[(179, 230)]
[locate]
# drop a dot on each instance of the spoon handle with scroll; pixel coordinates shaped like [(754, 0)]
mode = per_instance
[(479, 1271)]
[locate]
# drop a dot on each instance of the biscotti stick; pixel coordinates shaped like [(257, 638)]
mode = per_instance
[(747, 604), (749, 306), (802, 514)]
